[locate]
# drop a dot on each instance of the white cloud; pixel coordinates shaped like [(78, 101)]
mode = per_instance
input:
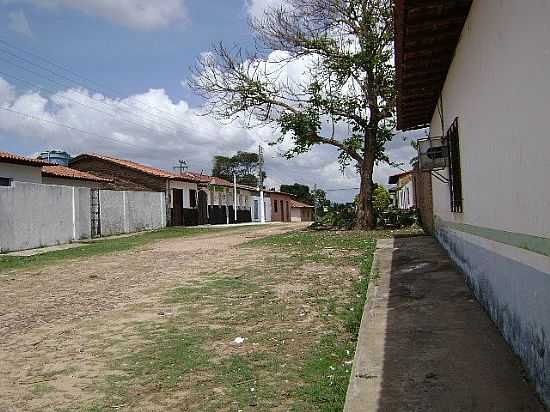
[(166, 132), (17, 22), (136, 14)]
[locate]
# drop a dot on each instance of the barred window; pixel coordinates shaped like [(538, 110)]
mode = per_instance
[(455, 179)]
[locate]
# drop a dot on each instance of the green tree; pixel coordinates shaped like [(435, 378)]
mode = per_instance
[(345, 100), (381, 199), (243, 164), (301, 191)]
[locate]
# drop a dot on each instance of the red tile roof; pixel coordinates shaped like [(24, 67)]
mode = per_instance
[(153, 171), (6, 157), (68, 173), (295, 203), (426, 35)]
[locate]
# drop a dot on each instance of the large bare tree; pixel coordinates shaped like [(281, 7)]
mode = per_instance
[(344, 99)]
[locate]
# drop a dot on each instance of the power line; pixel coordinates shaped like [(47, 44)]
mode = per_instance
[(76, 129), (79, 103), (64, 84), (75, 74)]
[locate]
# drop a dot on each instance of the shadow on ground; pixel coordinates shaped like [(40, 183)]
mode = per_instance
[(441, 351)]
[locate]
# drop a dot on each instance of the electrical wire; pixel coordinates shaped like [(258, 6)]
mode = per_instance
[(76, 129)]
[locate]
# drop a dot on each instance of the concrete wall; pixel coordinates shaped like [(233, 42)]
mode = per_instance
[(127, 212), (498, 88), (35, 215), (21, 173)]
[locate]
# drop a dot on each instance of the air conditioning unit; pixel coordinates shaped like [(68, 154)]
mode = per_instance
[(433, 154)]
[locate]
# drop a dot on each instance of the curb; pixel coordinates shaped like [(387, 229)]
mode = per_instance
[(357, 376)]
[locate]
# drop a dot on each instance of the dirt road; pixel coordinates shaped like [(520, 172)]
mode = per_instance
[(54, 320)]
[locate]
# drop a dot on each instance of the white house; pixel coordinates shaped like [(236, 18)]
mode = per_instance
[(405, 197), (478, 74), (17, 168)]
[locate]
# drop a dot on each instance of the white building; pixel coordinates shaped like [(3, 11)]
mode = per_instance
[(478, 73), (405, 197), (18, 168)]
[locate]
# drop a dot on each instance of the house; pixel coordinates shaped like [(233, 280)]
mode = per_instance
[(65, 176), (221, 201), (18, 168), (184, 206), (280, 206), (300, 212), (476, 73), (405, 196)]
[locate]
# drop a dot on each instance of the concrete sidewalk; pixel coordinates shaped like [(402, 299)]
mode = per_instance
[(426, 344)]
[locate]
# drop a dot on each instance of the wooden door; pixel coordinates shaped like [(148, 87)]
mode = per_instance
[(202, 208), (177, 207)]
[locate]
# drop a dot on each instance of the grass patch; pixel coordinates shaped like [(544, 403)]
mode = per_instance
[(170, 354), (41, 389), (101, 247), (327, 366)]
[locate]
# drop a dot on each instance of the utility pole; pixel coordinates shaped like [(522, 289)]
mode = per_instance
[(261, 179), (182, 167), (235, 195), (315, 202)]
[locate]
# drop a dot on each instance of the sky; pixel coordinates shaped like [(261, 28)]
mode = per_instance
[(116, 73)]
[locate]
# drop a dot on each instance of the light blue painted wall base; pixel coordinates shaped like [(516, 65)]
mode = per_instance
[(516, 297)]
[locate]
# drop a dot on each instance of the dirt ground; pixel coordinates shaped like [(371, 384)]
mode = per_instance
[(57, 322)]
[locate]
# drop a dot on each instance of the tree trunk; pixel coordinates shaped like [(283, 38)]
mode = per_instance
[(365, 219), (365, 210)]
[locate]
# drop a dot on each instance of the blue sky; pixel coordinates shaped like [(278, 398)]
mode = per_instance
[(140, 52)]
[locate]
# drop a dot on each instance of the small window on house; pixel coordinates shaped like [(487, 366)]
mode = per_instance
[(5, 181), (455, 176), (192, 198), (275, 206), (282, 208)]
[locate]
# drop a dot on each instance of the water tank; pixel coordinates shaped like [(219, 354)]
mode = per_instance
[(57, 157)]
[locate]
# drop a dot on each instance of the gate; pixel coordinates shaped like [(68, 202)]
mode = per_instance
[(95, 213), (202, 208)]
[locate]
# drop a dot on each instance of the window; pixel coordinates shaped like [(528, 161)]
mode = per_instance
[(282, 210), (192, 198), (5, 181), (455, 180), (275, 206)]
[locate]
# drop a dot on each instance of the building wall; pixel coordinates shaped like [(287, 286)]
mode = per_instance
[(278, 215), (70, 182), (186, 187), (21, 173), (423, 196), (405, 196), (301, 214), (498, 88), (124, 178), (267, 205), (36, 215)]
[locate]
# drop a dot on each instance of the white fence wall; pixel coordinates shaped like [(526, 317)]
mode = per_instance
[(127, 212), (34, 215)]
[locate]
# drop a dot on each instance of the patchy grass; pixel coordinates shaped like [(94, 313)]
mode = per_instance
[(41, 389), (296, 299), (104, 246)]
